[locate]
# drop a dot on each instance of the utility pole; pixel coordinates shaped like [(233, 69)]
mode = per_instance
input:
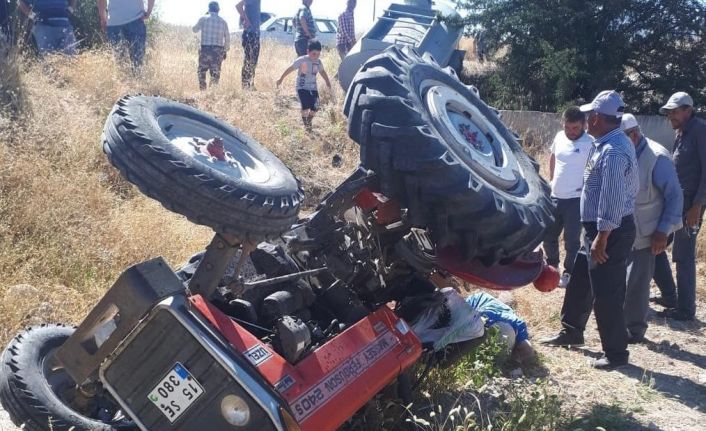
[(375, 10)]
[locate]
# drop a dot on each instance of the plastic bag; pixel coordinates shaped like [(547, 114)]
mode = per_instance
[(464, 324)]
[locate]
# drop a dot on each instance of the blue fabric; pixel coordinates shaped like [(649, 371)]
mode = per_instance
[(132, 34), (496, 311), (690, 160), (49, 8), (611, 181), (52, 38), (665, 179), (252, 10)]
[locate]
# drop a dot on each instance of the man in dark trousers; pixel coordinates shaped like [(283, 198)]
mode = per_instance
[(607, 204), (690, 161), (5, 28), (215, 42), (249, 11), (304, 28)]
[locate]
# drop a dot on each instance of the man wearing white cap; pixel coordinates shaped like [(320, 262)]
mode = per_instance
[(607, 206), (690, 161), (658, 213)]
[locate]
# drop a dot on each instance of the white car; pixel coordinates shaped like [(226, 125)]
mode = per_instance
[(281, 30)]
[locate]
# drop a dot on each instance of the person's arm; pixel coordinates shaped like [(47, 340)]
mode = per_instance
[(240, 7), (103, 13), (289, 70), (198, 25), (552, 165), (226, 45), (610, 202), (326, 80), (150, 7), (72, 6), (694, 213), (351, 30), (305, 26), (664, 178)]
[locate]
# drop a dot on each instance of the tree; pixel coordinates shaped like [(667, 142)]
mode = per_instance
[(551, 53)]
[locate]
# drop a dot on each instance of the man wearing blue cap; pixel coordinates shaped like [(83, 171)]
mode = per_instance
[(608, 197)]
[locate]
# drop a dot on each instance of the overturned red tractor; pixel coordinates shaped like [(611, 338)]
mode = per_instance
[(288, 323)]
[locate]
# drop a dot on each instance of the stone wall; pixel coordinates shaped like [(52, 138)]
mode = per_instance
[(538, 128)]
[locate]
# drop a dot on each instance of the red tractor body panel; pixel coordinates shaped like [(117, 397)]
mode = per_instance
[(330, 384)]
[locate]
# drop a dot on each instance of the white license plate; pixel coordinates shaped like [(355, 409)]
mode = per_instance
[(176, 392)]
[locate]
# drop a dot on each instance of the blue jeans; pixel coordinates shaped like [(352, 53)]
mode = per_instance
[(54, 38), (134, 36), (568, 219)]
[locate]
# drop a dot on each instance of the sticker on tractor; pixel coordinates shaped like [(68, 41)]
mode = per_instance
[(257, 354), (284, 384), (316, 397)]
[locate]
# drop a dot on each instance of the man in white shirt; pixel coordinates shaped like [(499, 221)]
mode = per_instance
[(566, 167)]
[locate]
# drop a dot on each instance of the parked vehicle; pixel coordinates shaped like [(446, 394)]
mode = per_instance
[(264, 16), (285, 323), (281, 30)]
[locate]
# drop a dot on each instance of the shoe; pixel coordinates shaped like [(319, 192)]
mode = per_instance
[(564, 280), (664, 302), (564, 339), (607, 364), (675, 314), (636, 339)]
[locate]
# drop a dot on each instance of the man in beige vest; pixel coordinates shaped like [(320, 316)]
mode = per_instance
[(658, 213)]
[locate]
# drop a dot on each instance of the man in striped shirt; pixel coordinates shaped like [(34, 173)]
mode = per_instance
[(607, 204), (215, 42), (345, 37)]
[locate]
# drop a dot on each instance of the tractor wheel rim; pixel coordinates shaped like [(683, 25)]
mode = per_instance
[(476, 142), (195, 139)]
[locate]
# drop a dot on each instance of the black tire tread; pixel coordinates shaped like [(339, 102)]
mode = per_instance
[(398, 141), (189, 191)]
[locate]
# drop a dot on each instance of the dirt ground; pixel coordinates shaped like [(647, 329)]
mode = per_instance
[(663, 387)]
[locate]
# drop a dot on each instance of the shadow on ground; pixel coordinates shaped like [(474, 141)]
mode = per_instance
[(609, 417), (679, 389)]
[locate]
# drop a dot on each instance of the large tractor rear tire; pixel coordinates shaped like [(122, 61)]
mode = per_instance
[(443, 152)]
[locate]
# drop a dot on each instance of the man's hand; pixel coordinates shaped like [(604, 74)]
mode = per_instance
[(598, 248), (147, 15), (279, 82), (659, 242), (246, 23), (692, 216)]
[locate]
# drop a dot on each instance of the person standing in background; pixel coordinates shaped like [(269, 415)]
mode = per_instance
[(304, 28), (566, 166), (690, 161), (611, 184), (215, 43), (124, 23), (658, 213), (345, 37), (249, 11)]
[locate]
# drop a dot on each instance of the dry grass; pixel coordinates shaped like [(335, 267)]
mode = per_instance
[(69, 224)]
